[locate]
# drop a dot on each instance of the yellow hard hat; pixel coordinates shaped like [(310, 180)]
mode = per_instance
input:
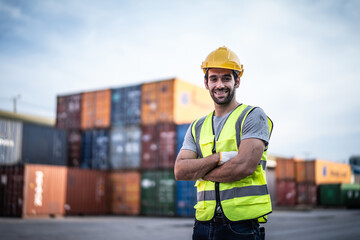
[(223, 58)]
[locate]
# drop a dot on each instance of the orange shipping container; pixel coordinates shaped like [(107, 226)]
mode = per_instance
[(125, 192), (174, 101), (88, 110), (96, 109), (305, 171), (86, 192), (44, 190), (285, 168), (103, 109)]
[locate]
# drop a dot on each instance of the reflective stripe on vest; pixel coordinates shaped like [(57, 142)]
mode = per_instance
[(247, 198)]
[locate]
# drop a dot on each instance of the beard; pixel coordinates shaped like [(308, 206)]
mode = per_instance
[(225, 100)]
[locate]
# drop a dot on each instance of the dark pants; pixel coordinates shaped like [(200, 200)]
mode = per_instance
[(213, 230)]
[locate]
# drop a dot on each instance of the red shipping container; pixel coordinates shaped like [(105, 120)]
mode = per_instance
[(86, 192), (149, 147), (68, 112), (285, 193), (306, 194)]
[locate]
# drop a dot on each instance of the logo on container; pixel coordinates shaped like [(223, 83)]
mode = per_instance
[(39, 180), (6, 142), (324, 171)]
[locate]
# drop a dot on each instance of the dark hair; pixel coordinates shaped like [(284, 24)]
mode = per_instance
[(235, 73)]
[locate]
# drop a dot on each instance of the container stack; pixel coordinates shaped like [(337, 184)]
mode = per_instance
[(285, 182)]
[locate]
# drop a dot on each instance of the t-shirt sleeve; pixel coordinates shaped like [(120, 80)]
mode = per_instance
[(189, 143), (256, 126)]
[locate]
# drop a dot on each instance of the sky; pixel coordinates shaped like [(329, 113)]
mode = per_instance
[(301, 58)]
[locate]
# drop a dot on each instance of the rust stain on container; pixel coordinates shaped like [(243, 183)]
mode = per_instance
[(44, 190), (125, 192), (86, 192)]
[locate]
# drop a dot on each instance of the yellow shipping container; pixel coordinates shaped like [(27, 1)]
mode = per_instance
[(174, 101), (331, 172)]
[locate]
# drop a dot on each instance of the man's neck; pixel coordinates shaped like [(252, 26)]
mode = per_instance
[(221, 110)]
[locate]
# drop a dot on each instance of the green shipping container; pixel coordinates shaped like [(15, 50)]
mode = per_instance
[(351, 195), (158, 193), (347, 195)]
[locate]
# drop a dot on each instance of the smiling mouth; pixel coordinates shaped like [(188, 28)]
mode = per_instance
[(221, 93)]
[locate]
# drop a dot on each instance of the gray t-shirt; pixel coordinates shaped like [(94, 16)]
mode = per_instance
[(255, 126)]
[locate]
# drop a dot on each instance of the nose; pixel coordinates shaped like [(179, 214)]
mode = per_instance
[(219, 83)]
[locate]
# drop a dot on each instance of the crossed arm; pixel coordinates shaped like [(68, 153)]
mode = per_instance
[(189, 167)]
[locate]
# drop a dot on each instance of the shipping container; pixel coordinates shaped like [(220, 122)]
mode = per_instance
[(186, 198), (43, 145), (330, 195), (11, 190), (68, 112), (331, 172), (158, 193), (95, 149), (180, 135), (32, 190), (10, 141), (88, 110), (86, 192), (351, 195), (285, 168), (125, 147), (103, 109), (305, 171), (285, 193), (306, 194), (74, 148), (173, 101), (158, 146), (44, 190), (126, 106), (124, 192)]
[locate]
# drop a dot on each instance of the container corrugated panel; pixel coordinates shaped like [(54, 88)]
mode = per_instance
[(306, 194), (126, 106), (285, 192), (285, 169), (180, 135), (10, 141), (86, 192), (149, 146), (305, 171), (11, 190), (103, 109), (330, 195), (88, 105), (167, 145), (44, 190), (95, 149), (174, 101), (331, 172), (44, 145), (158, 193), (149, 103), (74, 148), (125, 147), (125, 192), (186, 198), (68, 113)]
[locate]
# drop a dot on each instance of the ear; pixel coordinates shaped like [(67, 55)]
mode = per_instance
[(237, 82), (206, 84)]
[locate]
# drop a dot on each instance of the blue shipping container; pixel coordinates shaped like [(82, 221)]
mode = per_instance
[(185, 198), (126, 106), (95, 149), (43, 145), (180, 134)]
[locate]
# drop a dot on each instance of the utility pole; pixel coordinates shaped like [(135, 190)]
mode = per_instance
[(15, 99)]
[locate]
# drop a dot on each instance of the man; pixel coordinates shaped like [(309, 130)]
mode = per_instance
[(226, 153)]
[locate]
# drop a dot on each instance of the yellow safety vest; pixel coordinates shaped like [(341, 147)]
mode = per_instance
[(245, 199)]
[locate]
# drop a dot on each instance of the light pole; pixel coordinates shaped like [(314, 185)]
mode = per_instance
[(15, 99)]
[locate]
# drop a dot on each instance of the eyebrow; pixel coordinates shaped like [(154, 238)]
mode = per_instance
[(225, 75)]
